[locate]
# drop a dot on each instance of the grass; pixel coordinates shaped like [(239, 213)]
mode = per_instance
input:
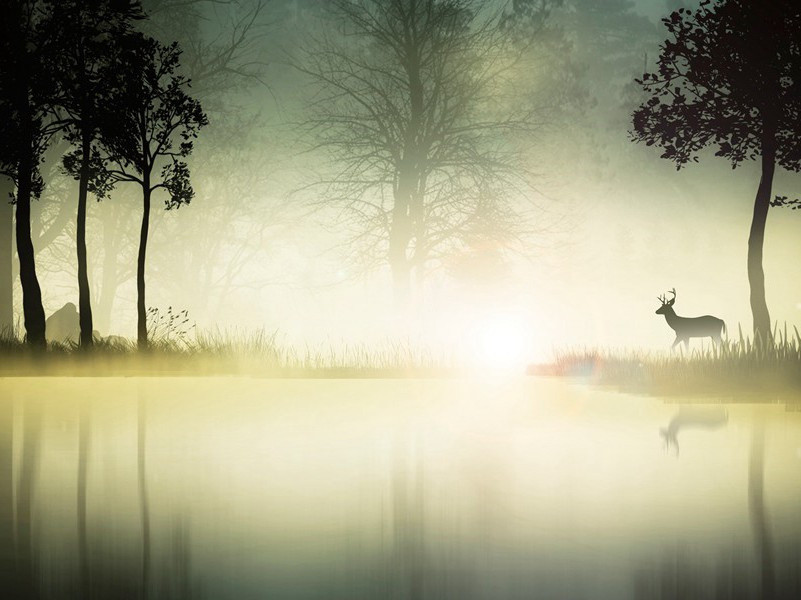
[(178, 349), (738, 367)]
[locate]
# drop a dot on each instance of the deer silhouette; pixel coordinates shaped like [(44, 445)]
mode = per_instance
[(689, 327)]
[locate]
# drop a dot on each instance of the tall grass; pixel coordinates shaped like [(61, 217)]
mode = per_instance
[(735, 366), (178, 347)]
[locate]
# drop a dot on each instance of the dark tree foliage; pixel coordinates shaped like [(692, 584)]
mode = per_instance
[(26, 130), (154, 131), (89, 42), (728, 78)]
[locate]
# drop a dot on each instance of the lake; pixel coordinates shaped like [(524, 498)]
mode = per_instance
[(501, 487)]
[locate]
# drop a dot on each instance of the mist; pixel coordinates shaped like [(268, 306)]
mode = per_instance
[(608, 224)]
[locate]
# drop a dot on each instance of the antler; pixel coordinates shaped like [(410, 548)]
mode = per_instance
[(662, 299), (673, 291)]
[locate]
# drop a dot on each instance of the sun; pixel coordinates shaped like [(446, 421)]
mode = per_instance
[(501, 341)]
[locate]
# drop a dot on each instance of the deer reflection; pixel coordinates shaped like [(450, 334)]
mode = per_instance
[(692, 417)]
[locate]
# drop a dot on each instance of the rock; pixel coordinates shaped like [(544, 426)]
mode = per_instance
[(63, 326)]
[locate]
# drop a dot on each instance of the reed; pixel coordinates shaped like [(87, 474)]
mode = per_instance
[(177, 348), (737, 365)]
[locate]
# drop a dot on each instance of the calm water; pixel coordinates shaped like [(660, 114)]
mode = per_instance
[(499, 488)]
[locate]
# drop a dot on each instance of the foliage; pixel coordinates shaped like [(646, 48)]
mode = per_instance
[(157, 121), (88, 45), (728, 70), (27, 89)]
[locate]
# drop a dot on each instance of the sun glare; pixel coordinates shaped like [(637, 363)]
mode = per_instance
[(501, 341)]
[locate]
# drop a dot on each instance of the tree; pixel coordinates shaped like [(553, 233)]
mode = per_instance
[(728, 78), (6, 257), (26, 129), (157, 122), (89, 50), (413, 107), (221, 44)]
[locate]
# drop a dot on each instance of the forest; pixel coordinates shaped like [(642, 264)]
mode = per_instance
[(369, 175), (400, 299)]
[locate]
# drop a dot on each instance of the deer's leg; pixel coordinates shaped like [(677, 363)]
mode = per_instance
[(675, 342), (687, 344)]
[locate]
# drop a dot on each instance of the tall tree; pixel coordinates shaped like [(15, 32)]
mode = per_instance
[(728, 78), (413, 108), (6, 256), (157, 122), (88, 43), (26, 129)]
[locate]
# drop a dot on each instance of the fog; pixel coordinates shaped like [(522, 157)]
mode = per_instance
[(609, 224)]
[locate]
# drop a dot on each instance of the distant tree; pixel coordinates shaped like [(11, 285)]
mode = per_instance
[(88, 47), (157, 122), (413, 109), (26, 130), (221, 41), (728, 77)]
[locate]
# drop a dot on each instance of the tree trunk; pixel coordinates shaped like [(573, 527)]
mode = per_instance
[(756, 275), (399, 237), (84, 297), (32, 309), (6, 258), (408, 173), (109, 281), (141, 309)]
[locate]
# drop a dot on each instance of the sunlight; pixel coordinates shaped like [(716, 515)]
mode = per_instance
[(501, 341)]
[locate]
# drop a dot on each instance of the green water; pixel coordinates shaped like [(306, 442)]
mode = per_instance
[(510, 487)]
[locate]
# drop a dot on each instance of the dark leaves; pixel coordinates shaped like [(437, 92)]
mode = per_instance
[(721, 65)]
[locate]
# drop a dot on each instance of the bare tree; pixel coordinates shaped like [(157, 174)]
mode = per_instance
[(222, 40), (413, 105)]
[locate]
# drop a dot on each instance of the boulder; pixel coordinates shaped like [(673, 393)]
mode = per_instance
[(63, 326)]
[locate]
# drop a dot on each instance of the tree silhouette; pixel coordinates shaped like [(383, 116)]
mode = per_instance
[(88, 42), (154, 130), (411, 107), (728, 78), (26, 129)]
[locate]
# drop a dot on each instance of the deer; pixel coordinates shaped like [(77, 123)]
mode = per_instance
[(689, 327)]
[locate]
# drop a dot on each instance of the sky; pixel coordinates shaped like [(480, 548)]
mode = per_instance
[(618, 225)]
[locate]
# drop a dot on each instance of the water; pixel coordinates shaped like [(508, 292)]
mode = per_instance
[(244, 488)]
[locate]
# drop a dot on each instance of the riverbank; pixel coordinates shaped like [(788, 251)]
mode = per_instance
[(738, 368), (258, 354)]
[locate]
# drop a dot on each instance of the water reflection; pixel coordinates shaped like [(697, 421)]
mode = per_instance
[(236, 488), (763, 544), (690, 417)]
